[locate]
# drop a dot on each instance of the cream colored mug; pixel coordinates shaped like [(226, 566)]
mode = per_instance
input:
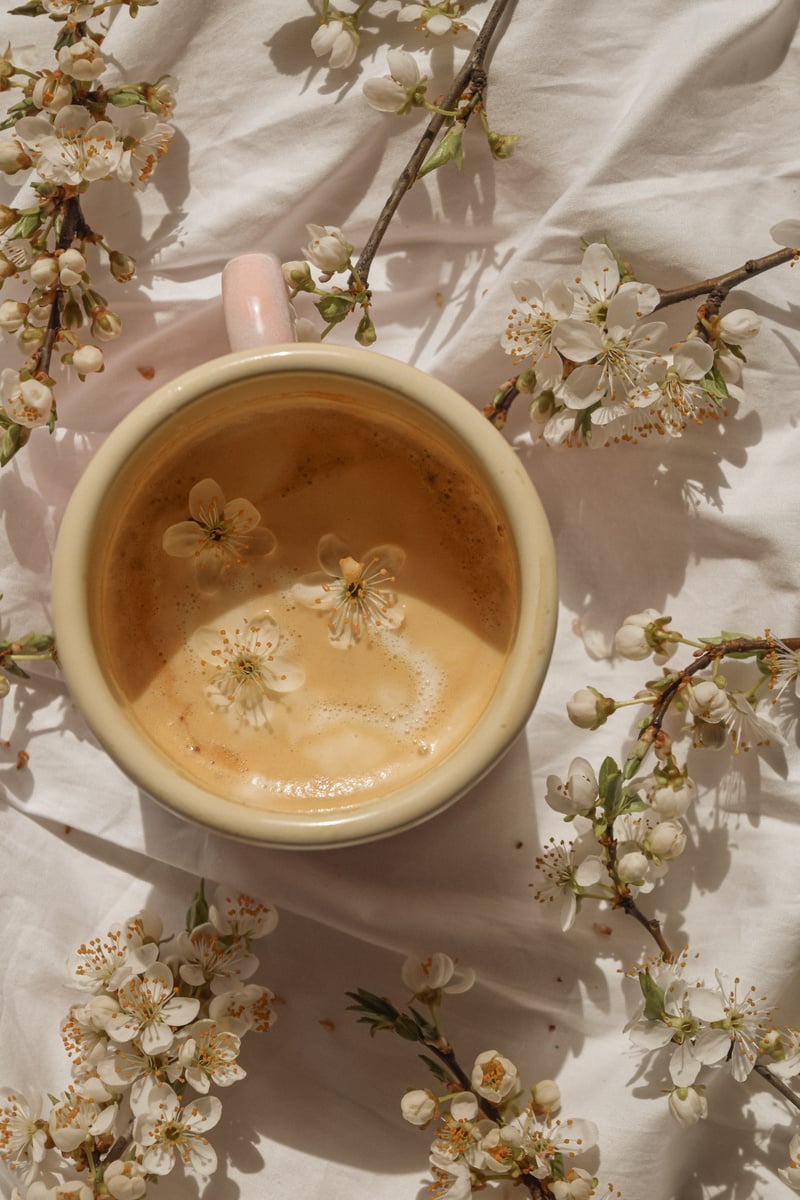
[(303, 595)]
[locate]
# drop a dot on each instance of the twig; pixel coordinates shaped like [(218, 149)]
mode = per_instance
[(718, 286), (472, 68), (778, 1084), (73, 225), (653, 927)]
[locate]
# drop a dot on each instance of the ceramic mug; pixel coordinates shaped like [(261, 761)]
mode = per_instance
[(303, 595)]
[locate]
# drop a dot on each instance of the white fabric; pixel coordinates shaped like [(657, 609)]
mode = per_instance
[(672, 129)]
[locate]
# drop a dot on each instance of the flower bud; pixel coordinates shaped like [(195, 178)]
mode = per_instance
[(298, 276), (687, 1105), (44, 271), (51, 92), (87, 359), (123, 267), (494, 1077), (328, 249), (633, 639), (7, 267), (546, 1096), (12, 315), (502, 144), (672, 800), (419, 1106), (8, 217), (632, 867), (71, 266), (13, 157), (589, 709), (708, 701), (31, 339), (105, 324), (667, 840)]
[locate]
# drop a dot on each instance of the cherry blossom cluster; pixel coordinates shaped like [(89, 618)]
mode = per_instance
[(727, 1027), (64, 131), (597, 368), (160, 1024), (488, 1128), (630, 823)]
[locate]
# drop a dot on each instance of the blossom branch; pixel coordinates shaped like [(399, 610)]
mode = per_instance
[(472, 79), (598, 366)]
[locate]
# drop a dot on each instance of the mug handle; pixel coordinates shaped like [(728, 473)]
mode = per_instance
[(255, 302)]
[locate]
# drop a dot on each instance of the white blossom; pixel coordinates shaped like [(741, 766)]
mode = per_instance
[(495, 1077), (355, 591), (577, 1184), (75, 1118), (104, 963), (82, 60), (208, 959), (23, 1133), (791, 1174), (531, 326), (26, 401), (168, 1129), (328, 248), (578, 794), (567, 872), (149, 1009), (671, 800), (338, 40), (72, 147), (87, 359), (243, 1008), (51, 92), (235, 912), (438, 973), (220, 534), (208, 1055), (667, 840), (247, 669), (395, 92), (146, 139)]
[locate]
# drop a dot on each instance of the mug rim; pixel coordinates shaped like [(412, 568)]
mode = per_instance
[(509, 707)]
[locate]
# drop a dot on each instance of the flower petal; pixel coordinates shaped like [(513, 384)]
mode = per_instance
[(183, 540)]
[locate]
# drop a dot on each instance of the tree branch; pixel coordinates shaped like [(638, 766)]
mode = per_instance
[(778, 1084), (718, 286), (471, 72)]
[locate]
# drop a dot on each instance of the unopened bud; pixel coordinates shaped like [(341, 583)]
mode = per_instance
[(502, 144), (71, 267), (546, 1096), (105, 324), (7, 268), (87, 359), (44, 271), (31, 339), (365, 333), (589, 709), (13, 157), (298, 276), (123, 267), (71, 315), (12, 315)]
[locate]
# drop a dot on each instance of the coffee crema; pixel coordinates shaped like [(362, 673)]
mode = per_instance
[(325, 621)]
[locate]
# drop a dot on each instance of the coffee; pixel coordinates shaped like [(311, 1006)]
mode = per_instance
[(305, 606)]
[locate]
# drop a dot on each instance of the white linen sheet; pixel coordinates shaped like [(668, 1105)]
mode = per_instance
[(672, 130)]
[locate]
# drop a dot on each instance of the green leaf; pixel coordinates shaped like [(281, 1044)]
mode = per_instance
[(653, 996), (607, 772), (715, 385), (27, 225), (31, 9), (736, 351), (197, 913), (334, 309), (12, 441), (448, 150), (436, 1069)]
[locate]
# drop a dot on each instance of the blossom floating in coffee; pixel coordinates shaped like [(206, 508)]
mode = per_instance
[(220, 534), (247, 669), (357, 592)]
